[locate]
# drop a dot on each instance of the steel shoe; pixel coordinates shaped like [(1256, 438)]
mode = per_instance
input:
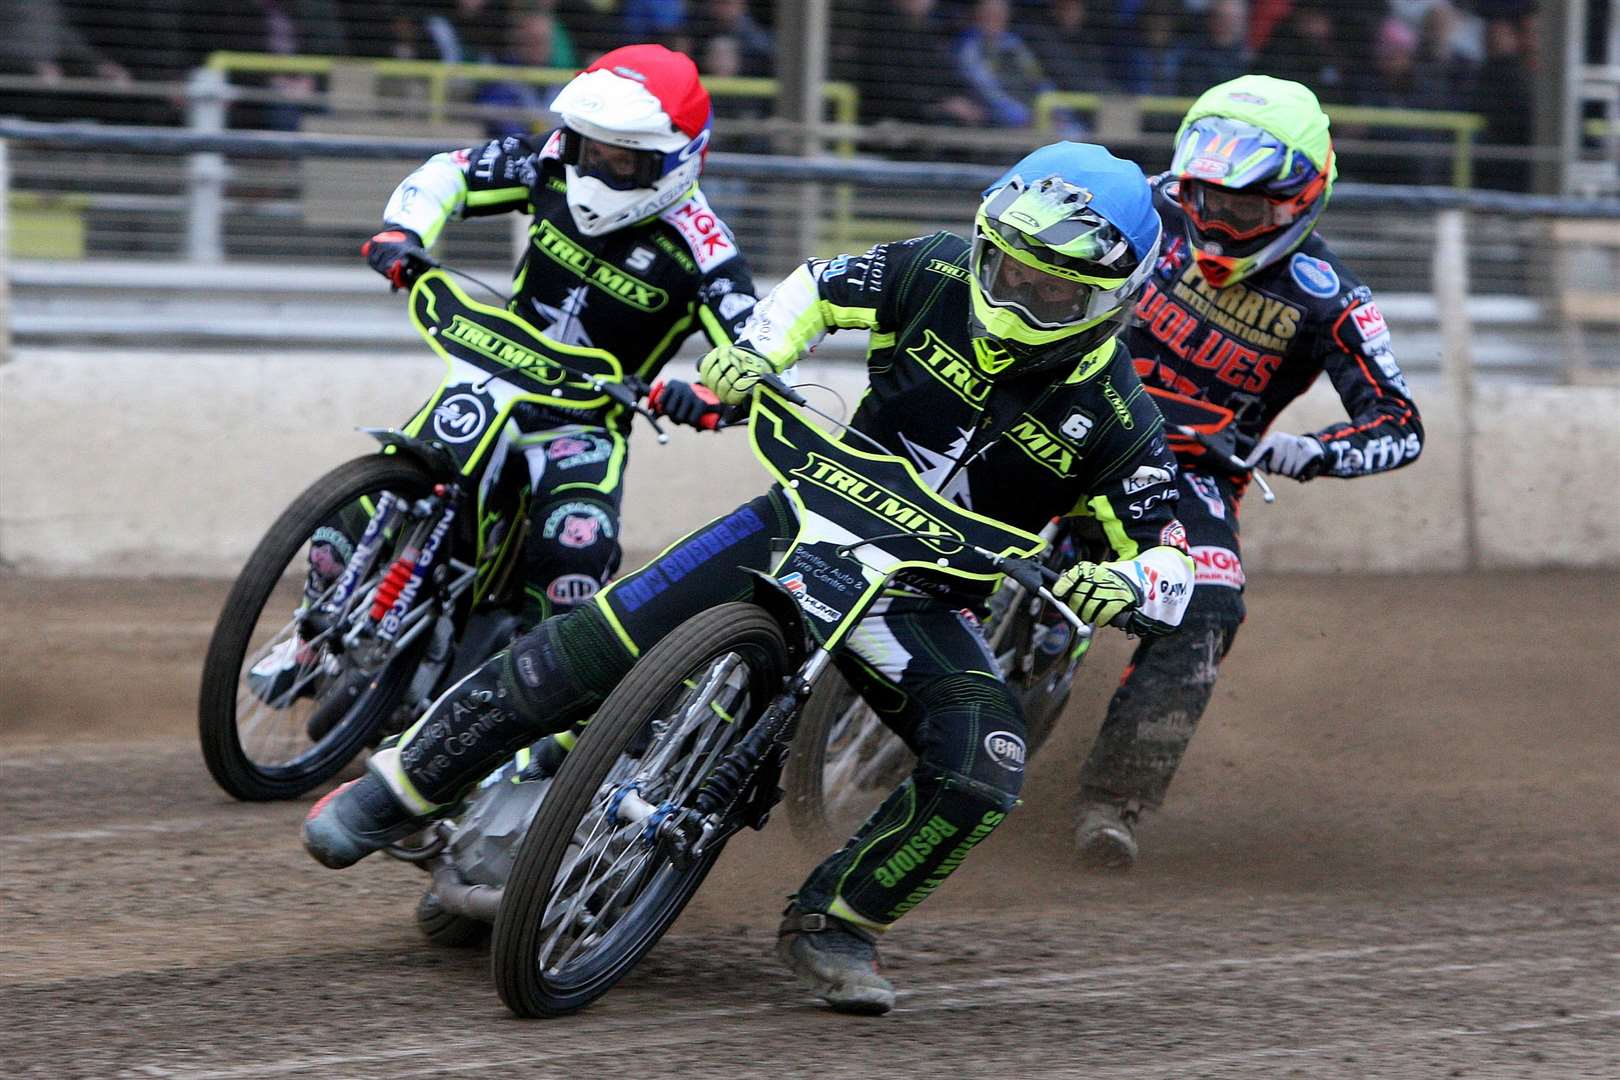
[(837, 960), (358, 818), (1106, 835)]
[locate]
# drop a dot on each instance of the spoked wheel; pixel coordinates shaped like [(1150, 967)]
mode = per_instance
[(592, 890), (281, 711), (844, 762)]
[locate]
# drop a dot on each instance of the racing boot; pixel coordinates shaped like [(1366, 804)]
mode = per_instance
[(1106, 835), (835, 959), (360, 817)]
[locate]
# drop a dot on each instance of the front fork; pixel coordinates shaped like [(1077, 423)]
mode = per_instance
[(741, 788)]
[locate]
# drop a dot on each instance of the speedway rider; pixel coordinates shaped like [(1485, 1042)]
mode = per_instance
[(624, 255), (995, 366), (1246, 307)]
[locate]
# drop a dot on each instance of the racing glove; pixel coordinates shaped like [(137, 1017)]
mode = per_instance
[(732, 370), (1295, 456), (396, 254), (686, 403), (1098, 592)]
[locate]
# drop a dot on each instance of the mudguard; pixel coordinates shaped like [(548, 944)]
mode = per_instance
[(773, 596), (440, 464)]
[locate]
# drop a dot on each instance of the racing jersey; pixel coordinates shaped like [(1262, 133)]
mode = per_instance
[(637, 292), (1020, 450), (1258, 344)]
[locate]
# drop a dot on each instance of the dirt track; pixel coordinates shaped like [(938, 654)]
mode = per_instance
[(1394, 852)]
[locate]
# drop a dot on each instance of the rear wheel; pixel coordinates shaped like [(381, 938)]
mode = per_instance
[(280, 710), (591, 892)]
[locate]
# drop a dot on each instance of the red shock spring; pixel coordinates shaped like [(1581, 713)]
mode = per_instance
[(392, 583)]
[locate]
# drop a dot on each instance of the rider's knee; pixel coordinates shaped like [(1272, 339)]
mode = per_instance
[(565, 665), (573, 548), (972, 738)]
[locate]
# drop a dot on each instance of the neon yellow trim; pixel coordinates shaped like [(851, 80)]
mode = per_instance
[(565, 739), (848, 318), (713, 327), (497, 195), (839, 909), (1113, 528), (1094, 362), (880, 341), (682, 327), (600, 600), (1029, 260), (911, 812), (721, 713)]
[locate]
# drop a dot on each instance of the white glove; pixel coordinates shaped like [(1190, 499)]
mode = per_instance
[(1295, 456)]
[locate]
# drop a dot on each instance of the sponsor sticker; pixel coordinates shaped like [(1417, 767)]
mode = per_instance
[(459, 418), (640, 259), (734, 304), (1217, 566), (1006, 750), (578, 520), (1369, 320), (567, 446), (794, 583), (1315, 276), (572, 588), (578, 531), (700, 227), (1209, 493), (1174, 535), (1144, 477)]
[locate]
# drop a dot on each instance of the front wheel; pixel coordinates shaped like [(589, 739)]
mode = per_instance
[(280, 710), (592, 890)]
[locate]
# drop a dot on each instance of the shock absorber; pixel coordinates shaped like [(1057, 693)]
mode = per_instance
[(722, 786), (393, 581)]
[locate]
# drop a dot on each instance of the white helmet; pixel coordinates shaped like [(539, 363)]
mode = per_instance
[(635, 131)]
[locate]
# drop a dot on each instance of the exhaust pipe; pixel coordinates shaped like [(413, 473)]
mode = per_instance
[(480, 902)]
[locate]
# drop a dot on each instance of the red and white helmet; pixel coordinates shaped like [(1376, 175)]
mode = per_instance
[(635, 131)]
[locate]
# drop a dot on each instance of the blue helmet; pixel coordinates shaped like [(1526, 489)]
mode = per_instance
[(1062, 243)]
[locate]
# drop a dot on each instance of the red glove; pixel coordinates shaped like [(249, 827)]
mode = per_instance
[(692, 404), (397, 255)]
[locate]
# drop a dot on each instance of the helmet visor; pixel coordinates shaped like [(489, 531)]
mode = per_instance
[(1047, 289), (619, 167), (1237, 215)]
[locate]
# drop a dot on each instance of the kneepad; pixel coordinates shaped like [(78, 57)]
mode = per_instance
[(972, 736)]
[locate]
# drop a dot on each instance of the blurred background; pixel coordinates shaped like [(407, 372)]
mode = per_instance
[(193, 178)]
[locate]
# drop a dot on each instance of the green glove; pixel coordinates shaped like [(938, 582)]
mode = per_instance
[(731, 372), (1098, 592)]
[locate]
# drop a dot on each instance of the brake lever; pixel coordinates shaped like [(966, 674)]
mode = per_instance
[(621, 393), (1237, 463)]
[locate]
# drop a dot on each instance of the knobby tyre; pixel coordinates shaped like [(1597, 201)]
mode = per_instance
[(572, 834), (356, 706)]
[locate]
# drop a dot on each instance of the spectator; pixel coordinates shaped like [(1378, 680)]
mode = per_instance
[(653, 20), (1221, 54), (1155, 62), (1503, 96), (720, 57), (1066, 45), (537, 40), (1441, 50), (756, 52), (594, 25), (1000, 66), (471, 32), (283, 27), (905, 70), (1309, 48), (1397, 81)]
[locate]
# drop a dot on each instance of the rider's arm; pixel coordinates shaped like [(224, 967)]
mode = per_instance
[(821, 296), (491, 179), (1133, 500), (1384, 430), (725, 301)]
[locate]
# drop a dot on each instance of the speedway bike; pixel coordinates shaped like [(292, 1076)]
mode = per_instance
[(305, 671), (689, 748), (846, 760)]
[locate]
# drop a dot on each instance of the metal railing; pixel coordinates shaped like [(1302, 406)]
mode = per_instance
[(1460, 128)]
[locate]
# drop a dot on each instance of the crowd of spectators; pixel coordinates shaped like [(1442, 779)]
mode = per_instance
[(965, 63)]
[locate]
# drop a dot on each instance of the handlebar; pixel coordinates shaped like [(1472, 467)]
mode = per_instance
[(1231, 459)]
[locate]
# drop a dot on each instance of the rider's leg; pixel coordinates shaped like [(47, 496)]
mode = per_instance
[(576, 481), (547, 681), (1153, 714), (927, 672)]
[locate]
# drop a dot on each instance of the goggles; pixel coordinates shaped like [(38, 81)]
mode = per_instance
[(1047, 289), (1240, 215), (623, 168)]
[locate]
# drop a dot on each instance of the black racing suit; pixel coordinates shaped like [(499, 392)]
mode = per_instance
[(1251, 347), (637, 292), (1085, 440)]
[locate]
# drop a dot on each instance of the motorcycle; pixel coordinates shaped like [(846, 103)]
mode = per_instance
[(582, 871), (306, 669), (846, 760)]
